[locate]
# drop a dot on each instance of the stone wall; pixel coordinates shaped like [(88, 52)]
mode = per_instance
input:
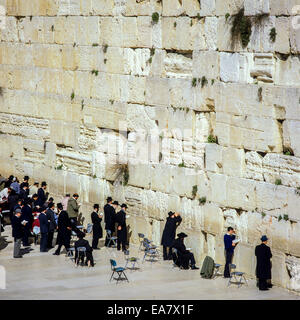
[(98, 92)]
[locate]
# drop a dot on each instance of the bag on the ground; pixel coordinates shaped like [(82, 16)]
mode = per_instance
[(208, 267)]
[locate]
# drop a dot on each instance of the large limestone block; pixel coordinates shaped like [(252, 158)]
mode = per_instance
[(172, 8), (180, 92), (155, 85), (213, 158), (228, 6), (295, 31), (87, 30), (69, 7), (218, 188), (291, 135), (233, 161), (284, 7), (111, 31), (282, 42), (160, 178), (213, 219), (138, 119), (294, 240), (133, 89), (279, 270), (279, 234), (229, 67), (208, 7), (206, 63), (289, 67), (64, 133), (148, 35), (178, 65), (271, 197), (241, 193), (182, 181), (140, 175), (10, 32), (104, 7), (293, 266), (256, 7)]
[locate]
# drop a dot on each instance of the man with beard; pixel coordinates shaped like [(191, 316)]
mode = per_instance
[(169, 233), (64, 229)]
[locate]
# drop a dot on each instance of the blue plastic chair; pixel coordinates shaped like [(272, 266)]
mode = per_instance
[(234, 275), (132, 260), (118, 270), (141, 237), (149, 251), (81, 255), (111, 238)]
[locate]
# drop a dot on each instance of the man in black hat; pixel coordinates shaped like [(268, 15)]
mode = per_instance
[(25, 181), (263, 265), (44, 227), (42, 194), (109, 213), (97, 229), (168, 236), (17, 232), (81, 242), (64, 228), (186, 258), (122, 228)]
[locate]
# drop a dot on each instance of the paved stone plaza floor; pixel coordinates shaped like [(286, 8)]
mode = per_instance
[(45, 276)]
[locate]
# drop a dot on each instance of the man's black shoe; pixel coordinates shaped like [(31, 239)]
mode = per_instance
[(18, 257), (56, 254), (96, 248), (194, 268), (263, 289)]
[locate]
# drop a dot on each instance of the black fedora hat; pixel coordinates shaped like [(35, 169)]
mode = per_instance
[(109, 199), (116, 202), (124, 205), (170, 213), (182, 235)]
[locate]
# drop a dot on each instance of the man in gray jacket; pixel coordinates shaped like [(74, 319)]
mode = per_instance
[(73, 209)]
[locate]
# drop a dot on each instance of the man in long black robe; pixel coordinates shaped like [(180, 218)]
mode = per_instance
[(169, 233), (64, 228), (186, 258), (97, 229), (109, 213), (263, 266), (122, 228)]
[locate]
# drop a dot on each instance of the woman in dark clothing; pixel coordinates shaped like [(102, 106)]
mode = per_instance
[(122, 228), (168, 236), (263, 266), (97, 229)]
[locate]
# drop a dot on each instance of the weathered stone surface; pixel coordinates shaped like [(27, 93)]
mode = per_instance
[(205, 126)]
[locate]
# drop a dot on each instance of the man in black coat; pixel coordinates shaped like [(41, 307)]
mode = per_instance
[(12, 200), (26, 215), (44, 227), (52, 224), (97, 229), (24, 191), (186, 258), (84, 243), (109, 213), (17, 232), (263, 265), (169, 233), (122, 228), (64, 228), (42, 194)]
